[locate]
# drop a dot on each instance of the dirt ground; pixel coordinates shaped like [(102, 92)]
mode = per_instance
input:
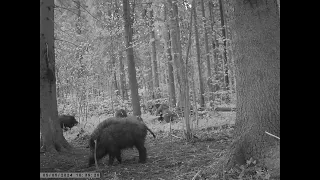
[(169, 156)]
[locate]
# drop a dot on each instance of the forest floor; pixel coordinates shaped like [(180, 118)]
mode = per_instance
[(169, 155)]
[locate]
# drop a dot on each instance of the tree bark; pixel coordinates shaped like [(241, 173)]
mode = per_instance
[(78, 24), (148, 65), (153, 53), (130, 59), (178, 62), (225, 60), (201, 91), (215, 45), (53, 139), (113, 69), (257, 61), (124, 95), (209, 80), (231, 60), (214, 39), (187, 89), (166, 35), (176, 48)]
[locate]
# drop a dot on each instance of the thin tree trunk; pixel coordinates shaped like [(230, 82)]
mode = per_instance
[(144, 86), (231, 63), (194, 96), (257, 54), (225, 60), (215, 50), (187, 102), (150, 77), (153, 53), (122, 77), (130, 58), (148, 63), (115, 84), (110, 84), (113, 69), (214, 38), (166, 35), (209, 80), (198, 54)]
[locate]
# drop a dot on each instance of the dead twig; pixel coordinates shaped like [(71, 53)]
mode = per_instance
[(194, 177)]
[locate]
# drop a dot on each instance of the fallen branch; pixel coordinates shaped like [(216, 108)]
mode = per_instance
[(176, 136), (272, 135)]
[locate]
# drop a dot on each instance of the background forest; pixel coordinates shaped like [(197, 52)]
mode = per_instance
[(91, 66)]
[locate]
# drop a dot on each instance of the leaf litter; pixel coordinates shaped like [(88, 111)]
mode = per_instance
[(170, 156)]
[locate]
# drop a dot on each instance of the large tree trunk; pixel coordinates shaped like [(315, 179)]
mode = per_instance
[(166, 35), (201, 91), (178, 62), (130, 59), (53, 139), (153, 53), (257, 61), (175, 48)]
